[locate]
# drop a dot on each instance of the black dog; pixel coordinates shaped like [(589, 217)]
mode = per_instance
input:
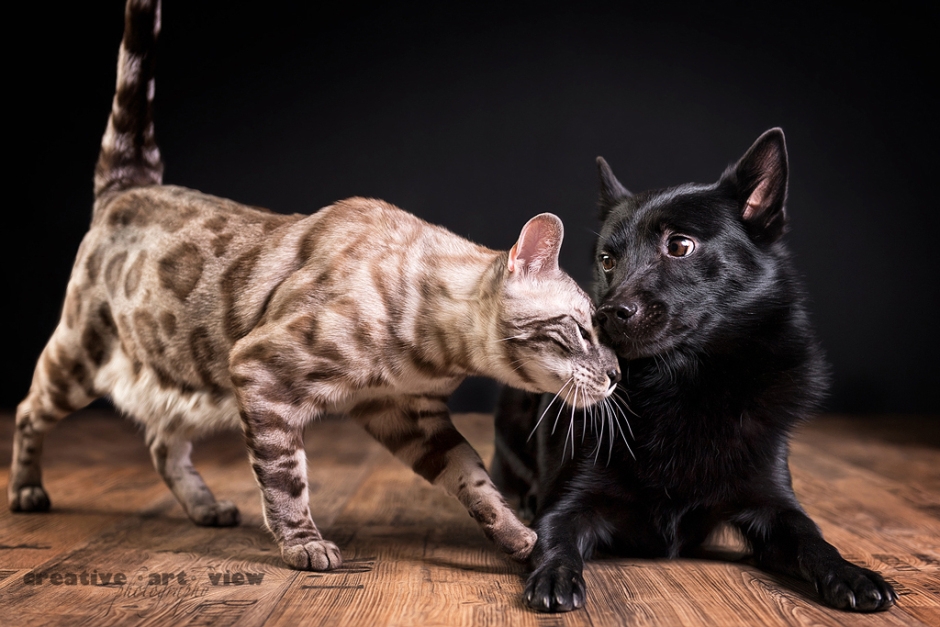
[(696, 292)]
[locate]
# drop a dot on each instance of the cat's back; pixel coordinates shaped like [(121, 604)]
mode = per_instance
[(166, 251), (167, 214), (364, 249), (367, 228)]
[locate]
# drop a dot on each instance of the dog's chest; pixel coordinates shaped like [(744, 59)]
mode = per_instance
[(700, 460)]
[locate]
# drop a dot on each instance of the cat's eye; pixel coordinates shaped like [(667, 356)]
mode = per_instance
[(607, 262), (585, 334), (679, 246)]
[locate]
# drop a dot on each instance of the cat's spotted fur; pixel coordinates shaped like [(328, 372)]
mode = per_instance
[(194, 313)]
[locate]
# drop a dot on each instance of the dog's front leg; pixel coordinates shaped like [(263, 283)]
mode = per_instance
[(787, 541), (556, 583)]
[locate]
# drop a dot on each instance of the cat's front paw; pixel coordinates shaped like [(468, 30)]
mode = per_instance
[(314, 555), (216, 514), (849, 587), (29, 498), (555, 589), (505, 530), (522, 545)]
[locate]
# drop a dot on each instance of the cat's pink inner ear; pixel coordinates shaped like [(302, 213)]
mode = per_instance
[(513, 254), (538, 246)]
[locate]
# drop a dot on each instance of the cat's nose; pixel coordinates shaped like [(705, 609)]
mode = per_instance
[(614, 376)]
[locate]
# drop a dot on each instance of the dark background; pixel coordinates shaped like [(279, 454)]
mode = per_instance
[(478, 116)]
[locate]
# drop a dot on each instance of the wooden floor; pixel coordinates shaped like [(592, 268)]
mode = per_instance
[(413, 555)]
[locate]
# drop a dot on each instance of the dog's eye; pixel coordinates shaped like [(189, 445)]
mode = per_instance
[(607, 262), (679, 246)]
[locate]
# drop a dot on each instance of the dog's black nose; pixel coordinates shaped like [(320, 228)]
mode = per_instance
[(614, 376), (620, 312)]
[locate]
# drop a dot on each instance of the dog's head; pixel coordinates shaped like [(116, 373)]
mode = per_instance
[(692, 265)]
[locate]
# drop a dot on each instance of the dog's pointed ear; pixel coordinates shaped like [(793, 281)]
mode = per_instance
[(760, 183), (612, 192), (538, 246)]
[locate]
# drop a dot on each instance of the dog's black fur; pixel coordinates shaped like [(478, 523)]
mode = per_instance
[(697, 293)]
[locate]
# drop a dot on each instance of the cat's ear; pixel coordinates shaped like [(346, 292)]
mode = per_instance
[(611, 191), (759, 181), (538, 246)]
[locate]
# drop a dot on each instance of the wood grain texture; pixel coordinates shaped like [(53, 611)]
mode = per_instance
[(414, 556)]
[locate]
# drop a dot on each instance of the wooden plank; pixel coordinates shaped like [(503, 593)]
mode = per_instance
[(905, 449), (96, 471), (415, 558), (873, 516), (413, 555), (869, 505), (157, 539)]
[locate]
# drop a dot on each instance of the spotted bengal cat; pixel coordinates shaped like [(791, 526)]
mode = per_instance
[(193, 313)]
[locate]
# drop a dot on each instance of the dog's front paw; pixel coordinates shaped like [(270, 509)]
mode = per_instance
[(314, 555), (555, 589), (849, 587), (30, 498)]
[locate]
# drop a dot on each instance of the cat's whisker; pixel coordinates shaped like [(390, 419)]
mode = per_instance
[(625, 418), (520, 363), (564, 450), (561, 406), (547, 407), (568, 435), (598, 440), (589, 413), (600, 422), (611, 419), (571, 424), (617, 408)]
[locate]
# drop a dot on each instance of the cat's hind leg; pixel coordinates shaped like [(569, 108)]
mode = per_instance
[(171, 457), (418, 431), (62, 383)]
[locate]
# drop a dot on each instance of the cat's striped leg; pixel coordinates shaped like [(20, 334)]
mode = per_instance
[(270, 403), (279, 461), (62, 383), (171, 458), (418, 431)]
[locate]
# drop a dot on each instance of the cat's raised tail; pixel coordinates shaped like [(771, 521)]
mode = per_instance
[(129, 155)]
